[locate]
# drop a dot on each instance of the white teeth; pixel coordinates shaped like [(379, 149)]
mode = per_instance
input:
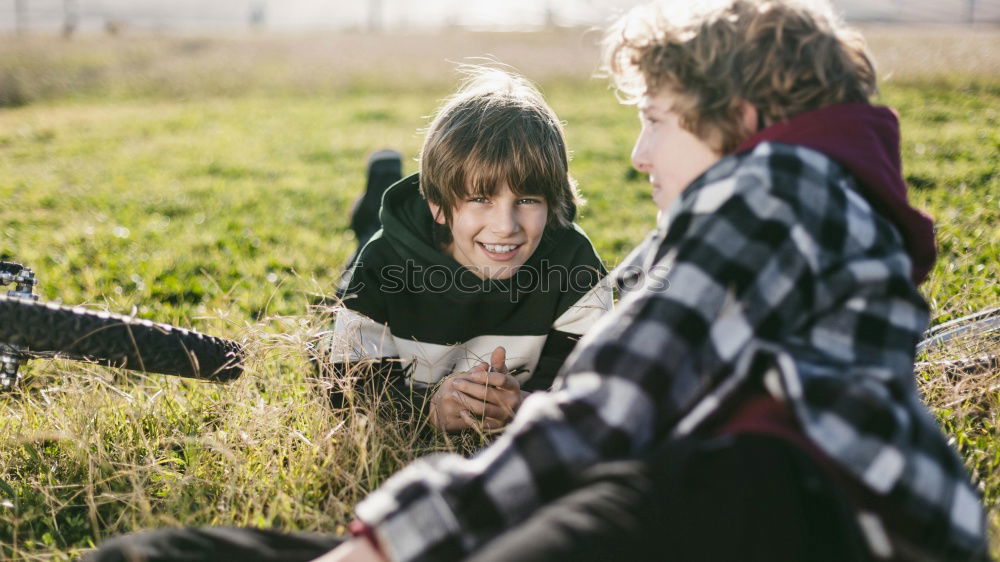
[(499, 248)]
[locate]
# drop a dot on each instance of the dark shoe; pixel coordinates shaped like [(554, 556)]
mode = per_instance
[(385, 167)]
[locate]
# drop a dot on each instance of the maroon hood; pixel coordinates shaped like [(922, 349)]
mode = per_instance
[(864, 139)]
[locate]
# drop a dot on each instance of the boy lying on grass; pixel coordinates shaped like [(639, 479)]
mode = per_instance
[(478, 283), (752, 395)]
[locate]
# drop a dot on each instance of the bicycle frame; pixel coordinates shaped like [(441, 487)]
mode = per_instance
[(11, 357), (22, 277)]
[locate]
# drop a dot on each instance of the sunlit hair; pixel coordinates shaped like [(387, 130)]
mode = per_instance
[(496, 129), (784, 57)]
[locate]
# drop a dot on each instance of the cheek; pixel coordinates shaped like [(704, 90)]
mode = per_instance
[(463, 228), (664, 152), (705, 157), (539, 218)]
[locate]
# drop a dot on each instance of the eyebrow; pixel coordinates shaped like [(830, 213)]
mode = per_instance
[(650, 108)]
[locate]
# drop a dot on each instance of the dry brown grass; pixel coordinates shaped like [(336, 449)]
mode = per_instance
[(43, 67), (909, 53), (960, 381)]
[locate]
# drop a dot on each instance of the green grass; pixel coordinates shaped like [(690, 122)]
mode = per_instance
[(200, 187)]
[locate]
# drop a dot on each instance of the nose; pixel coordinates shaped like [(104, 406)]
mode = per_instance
[(640, 155), (504, 221)]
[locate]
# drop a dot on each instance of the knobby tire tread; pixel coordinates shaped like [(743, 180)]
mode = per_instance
[(116, 340)]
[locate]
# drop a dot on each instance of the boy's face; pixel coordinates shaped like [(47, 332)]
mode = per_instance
[(493, 236), (671, 155)]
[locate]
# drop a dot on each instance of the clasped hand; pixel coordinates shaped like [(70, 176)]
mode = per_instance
[(485, 397)]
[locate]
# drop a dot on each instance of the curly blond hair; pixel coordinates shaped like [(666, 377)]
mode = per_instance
[(784, 57)]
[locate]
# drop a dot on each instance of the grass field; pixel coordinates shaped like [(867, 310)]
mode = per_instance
[(206, 183)]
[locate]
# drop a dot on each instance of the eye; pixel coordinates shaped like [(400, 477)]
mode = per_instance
[(529, 201), (649, 118), (478, 200)]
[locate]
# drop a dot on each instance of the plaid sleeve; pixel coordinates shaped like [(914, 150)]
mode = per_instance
[(729, 269), (566, 331)]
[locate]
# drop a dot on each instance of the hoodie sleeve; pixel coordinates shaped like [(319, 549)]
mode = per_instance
[(359, 288), (359, 351)]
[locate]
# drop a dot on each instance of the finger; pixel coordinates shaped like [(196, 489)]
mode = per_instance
[(493, 379), (506, 400), (449, 402), (504, 381), (492, 412), (493, 423), (474, 371), (486, 423), (483, 408), (498, 360), (479, 407), (455, 423), (465, 402), (469, 419), (479, 391)]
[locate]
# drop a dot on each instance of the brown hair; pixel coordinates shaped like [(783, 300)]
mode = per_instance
[(784, 57), (497, 129)]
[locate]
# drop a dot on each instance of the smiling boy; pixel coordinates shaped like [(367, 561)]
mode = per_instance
[(479, 283)]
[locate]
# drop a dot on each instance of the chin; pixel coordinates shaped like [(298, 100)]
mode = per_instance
[(663, 201), (499, 272)]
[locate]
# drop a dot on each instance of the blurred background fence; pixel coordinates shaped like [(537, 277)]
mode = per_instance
[(115, 16)]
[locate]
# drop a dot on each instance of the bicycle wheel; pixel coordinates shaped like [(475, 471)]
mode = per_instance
[(45, 329), (982, 322)]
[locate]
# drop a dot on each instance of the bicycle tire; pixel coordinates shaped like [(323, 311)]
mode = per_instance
[(982, 322), (48, 329)]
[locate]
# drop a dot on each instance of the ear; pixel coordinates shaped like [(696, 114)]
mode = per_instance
[(749, 118), (437, 213)]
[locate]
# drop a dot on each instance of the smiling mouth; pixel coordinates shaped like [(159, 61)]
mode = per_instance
[(499, 252)]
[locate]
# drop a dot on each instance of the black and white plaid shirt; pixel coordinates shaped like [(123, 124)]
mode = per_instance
[(771, 251)]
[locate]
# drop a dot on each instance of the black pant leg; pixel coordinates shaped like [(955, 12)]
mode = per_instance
[(213, 544), (747, 498), (752, 498), (364, 218), (384, 169), (593, 523)]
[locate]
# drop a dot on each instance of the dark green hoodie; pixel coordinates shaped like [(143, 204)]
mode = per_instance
[(408, 300)]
